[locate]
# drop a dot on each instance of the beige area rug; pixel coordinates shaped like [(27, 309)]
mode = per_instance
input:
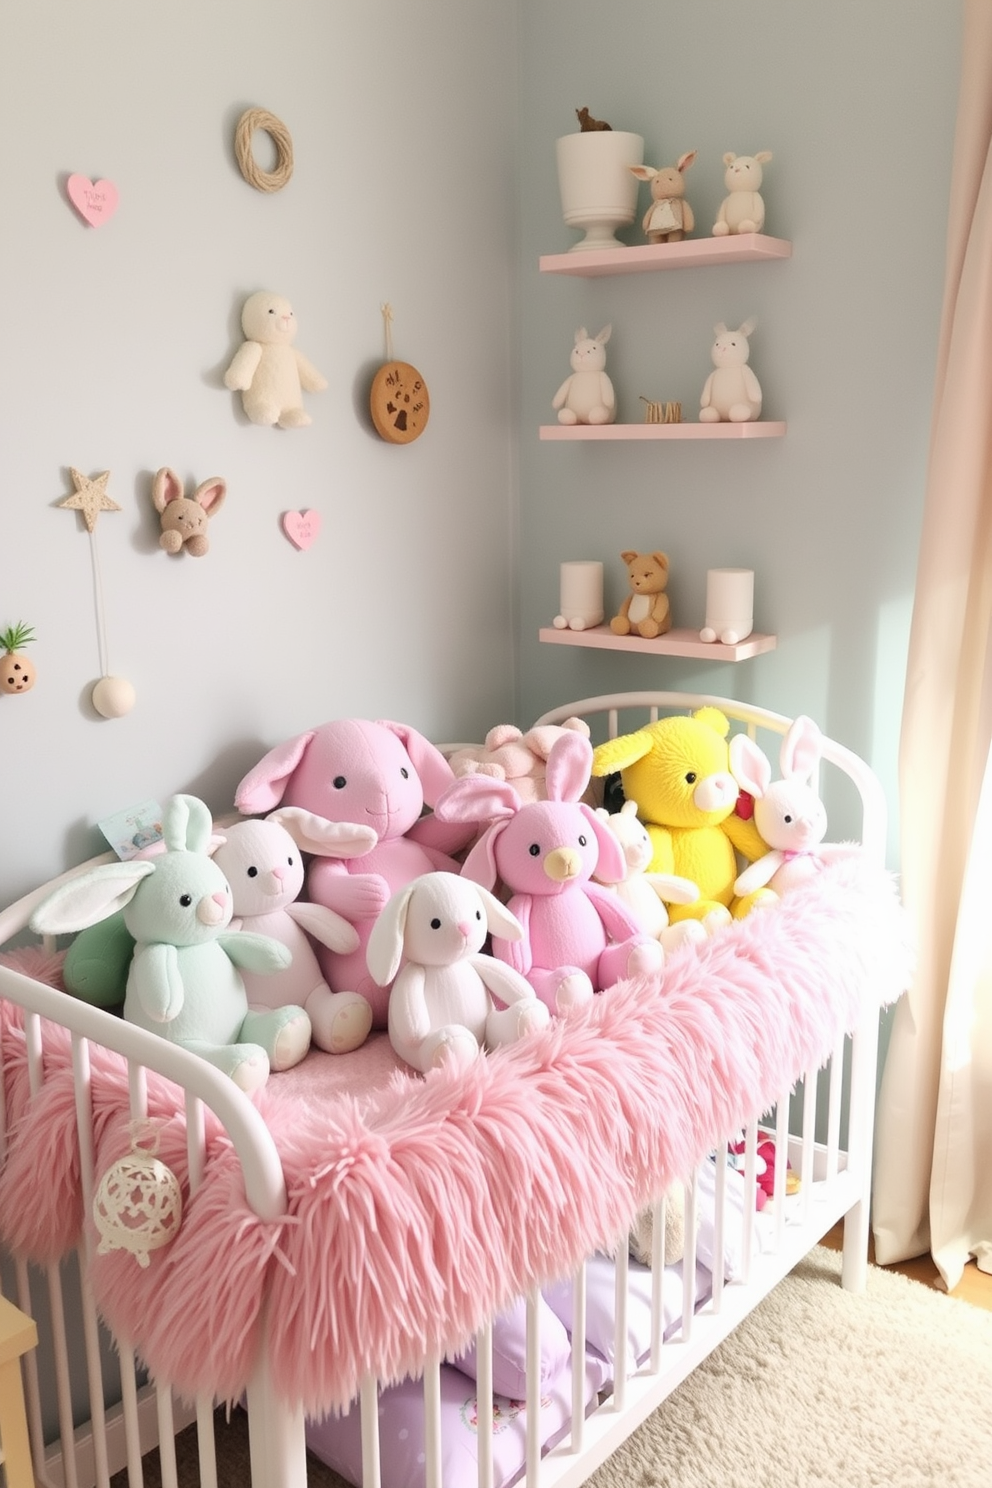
[(818, 1388)]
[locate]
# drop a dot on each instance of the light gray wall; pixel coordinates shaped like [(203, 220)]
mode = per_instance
[(857, 104), (116, 338)]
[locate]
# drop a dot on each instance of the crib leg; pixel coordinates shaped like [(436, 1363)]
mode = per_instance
[(854, 1265), (276, 1435), (861, 1124)]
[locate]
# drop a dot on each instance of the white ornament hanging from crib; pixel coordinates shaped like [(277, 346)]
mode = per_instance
[(138, 1206)]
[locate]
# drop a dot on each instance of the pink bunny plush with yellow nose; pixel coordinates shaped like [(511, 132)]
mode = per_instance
[(578, 937)]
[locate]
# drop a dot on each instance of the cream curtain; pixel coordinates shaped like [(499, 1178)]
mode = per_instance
[(933, 1161)]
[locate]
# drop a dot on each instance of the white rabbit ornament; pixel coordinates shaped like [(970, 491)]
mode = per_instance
[(441, 1007), (587, 396), (742, 209), (732, 393), (788, 813)]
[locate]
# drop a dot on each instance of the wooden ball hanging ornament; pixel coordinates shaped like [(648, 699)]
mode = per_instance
[(399, 401)]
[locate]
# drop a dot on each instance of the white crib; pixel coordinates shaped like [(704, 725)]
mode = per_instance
[(92, 1440)]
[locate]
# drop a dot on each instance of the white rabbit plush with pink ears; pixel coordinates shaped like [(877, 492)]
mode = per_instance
[(788, 813), (427, 942)]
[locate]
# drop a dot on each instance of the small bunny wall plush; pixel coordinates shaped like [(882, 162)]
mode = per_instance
[(587, 396), (184, 980), (731, 393), (267, 369), (184, 518), (742, 210), (578, 937), (645, 894), (441, 1007), (380, 774), (262, 860), (788, 813), (669, 218)]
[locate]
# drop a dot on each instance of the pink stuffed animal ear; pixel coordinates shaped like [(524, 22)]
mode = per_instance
[(611, 865), (749, 766), (265, 785), (166, 487), (801, 749), (569, 768), (477, 798), (210, 493), (428, 761)]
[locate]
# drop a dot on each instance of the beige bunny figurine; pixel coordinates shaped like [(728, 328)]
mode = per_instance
[(184, 518), (669, 218)]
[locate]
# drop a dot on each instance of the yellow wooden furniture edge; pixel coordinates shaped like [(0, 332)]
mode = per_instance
[(18, 1334)]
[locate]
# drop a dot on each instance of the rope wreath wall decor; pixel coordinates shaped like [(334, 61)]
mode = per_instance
[(254, 119)]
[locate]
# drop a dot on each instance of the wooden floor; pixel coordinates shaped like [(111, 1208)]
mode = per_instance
[(975, 1286)]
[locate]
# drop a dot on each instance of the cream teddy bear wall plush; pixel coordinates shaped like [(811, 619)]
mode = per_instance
[(267, 369)]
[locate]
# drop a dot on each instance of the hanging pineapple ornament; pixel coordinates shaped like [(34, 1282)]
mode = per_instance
[(138, 1206), (17, 672), (399, 402)]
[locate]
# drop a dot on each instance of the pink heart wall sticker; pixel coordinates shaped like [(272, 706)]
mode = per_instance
[(302, 528), (95, 201)]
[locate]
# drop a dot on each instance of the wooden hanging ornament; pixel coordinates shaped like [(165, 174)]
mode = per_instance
[(112, 696), (399, 401)]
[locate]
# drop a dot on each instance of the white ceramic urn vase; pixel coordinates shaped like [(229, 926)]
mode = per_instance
[(598, 191)]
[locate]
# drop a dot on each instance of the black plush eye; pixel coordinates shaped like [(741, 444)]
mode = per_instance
[(435, 923), (583, 841), (339, 782), (787, 818), (252, 872), (691, 778), (185, 900), (289, 862), (404, 772), (478, 914), (534, 849)]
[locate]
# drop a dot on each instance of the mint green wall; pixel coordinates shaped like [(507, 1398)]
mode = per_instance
[(857, 104)]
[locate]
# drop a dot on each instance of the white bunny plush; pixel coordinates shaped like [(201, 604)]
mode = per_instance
[(731, 393), (441, 1008), (263, 862), (645, 893), (788, 813), (587, 396), (743, 209)]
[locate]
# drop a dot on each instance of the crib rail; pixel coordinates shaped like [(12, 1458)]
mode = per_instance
[(824, 1127)]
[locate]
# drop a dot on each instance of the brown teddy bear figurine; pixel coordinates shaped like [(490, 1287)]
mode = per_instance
[(645, 611)]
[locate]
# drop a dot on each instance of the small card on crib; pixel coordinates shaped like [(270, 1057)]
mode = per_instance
[(132, 830)]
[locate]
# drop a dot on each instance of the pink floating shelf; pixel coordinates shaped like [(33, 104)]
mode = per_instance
[(675, 643), (590, 263), (759, 429)]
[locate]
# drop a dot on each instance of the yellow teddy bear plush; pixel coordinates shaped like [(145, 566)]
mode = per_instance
[(678, 771)]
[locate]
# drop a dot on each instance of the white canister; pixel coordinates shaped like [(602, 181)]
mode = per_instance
[(580, 595), (729, 605)]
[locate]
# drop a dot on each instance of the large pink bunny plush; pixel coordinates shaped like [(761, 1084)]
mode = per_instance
[(377, 775), (578, 937)]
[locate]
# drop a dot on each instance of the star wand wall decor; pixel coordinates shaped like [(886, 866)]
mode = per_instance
[(90, 497)]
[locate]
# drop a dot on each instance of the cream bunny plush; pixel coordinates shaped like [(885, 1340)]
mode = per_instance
[(743, 209), (731, 393), (587, 396), (441, 1008), (263, 862), (267, 369), (788, 813), (669, 218), (645, 893)]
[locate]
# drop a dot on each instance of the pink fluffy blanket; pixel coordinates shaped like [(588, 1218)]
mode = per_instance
[(420, 1208)]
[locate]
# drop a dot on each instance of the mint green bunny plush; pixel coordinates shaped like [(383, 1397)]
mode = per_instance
[(183, 981)]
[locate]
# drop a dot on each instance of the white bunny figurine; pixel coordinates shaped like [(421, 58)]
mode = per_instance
[(743, 209), (731, 393), (788, 813), (587, 396), (263, 862), (440, 1008)]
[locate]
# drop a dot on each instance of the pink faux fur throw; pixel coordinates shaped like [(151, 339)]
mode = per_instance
[(422, 1207)]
